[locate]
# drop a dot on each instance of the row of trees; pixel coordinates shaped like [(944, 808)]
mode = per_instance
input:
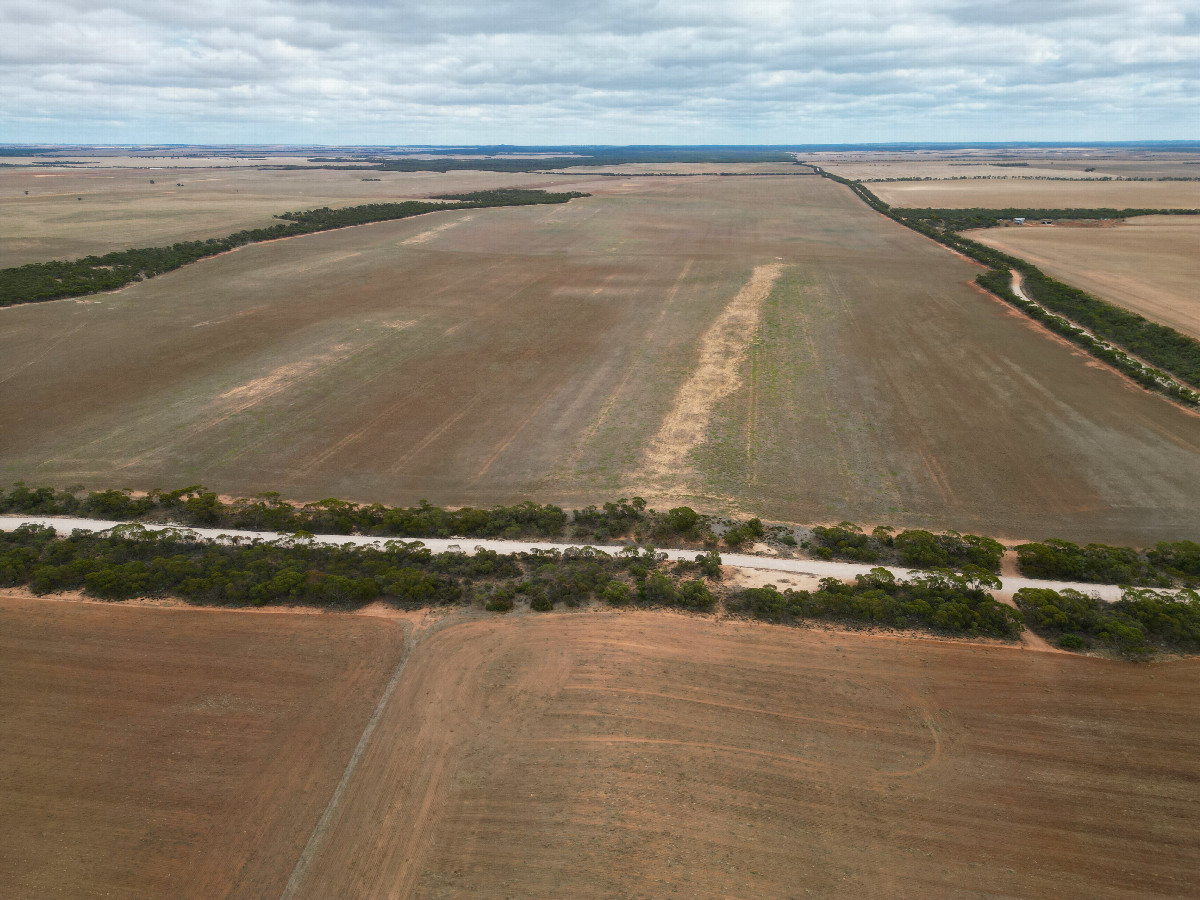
[(1164, 564), (1067, 310), (941, 601), (1142, 621), (980, 217), (75, 278), (915, 548), (130, 561)]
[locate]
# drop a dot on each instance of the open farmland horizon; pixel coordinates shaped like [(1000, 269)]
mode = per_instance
[(488, 356)]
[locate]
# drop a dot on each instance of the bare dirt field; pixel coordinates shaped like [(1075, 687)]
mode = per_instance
[(173, 752), (536, 353), (655, 755), (69, 213), (1051, 163), (1149, 264), (1001, 194)]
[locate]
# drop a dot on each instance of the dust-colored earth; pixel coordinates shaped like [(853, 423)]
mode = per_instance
[(536, 352), (1091, 164), (69, 213), (184, 753), (656, 755), (1148, 264), (1032, 194)]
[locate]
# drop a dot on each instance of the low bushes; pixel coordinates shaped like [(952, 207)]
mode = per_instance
[(939, 601), (1140, 622), (1064, 561)]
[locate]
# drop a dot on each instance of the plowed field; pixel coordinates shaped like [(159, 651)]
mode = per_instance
[(49, 213), (820, 362), (1148, 264), (152, 753), (651, 755)]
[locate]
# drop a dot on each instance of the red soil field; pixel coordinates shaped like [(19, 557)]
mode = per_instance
[(596, 754), (183, 753)]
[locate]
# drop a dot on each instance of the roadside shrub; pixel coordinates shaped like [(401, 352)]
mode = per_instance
[(846, 541), (1142, 620), (951, 550), (941, 601), (501, 600), (1064, 561), (617, 593)]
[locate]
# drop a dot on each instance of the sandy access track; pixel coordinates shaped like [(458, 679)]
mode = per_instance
[(802, 567)]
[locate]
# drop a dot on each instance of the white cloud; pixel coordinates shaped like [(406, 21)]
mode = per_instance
[(608, 71)]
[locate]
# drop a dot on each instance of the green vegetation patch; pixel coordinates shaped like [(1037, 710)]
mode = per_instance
[(1062, 560), (940, 601), (129, 561), (1142, 621)]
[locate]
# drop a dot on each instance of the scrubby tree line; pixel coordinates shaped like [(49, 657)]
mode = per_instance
[(979, 217), (1067, 310), (915, 548), (1167, 563), (1142, 621), (130, 561), (197, 506), (58, 279), (940, 601)]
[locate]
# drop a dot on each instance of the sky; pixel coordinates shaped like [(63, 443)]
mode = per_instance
[(597, 72)]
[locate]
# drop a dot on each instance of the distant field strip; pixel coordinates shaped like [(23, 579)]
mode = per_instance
[(722, 350)]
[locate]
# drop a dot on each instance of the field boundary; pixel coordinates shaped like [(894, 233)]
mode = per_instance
[(997, 281)]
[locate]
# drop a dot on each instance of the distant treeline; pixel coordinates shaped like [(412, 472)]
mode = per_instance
[(1140, 622), (57, 279), (1116, 333), (597, 156), (979, 217)]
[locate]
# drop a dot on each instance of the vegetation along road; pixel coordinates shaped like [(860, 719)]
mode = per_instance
[(783, 565)]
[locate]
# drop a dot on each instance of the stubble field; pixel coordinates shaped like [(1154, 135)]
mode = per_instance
[(657, 755), (1148, 264), (73, 212), (1015, 192), (760, 344), (149, 753)]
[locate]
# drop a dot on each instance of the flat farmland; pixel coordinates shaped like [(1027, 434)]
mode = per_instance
[(73, 212), (1148, 264), (654, 755), (766, 345), (1032, 194), (173, 752)]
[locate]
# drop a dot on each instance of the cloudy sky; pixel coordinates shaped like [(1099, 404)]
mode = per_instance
[(600, 71)]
